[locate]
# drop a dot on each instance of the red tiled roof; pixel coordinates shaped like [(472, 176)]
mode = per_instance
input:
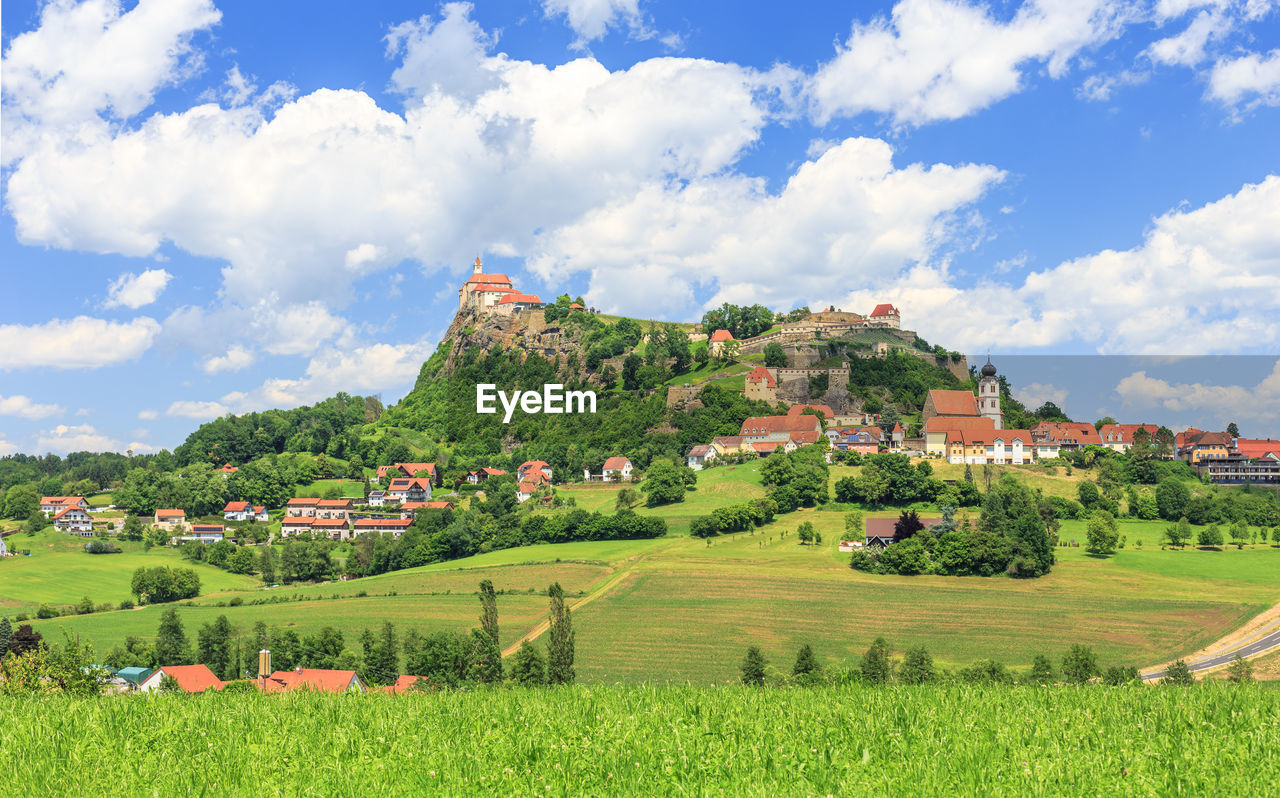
[(410, 469), (728, 441), (235, 507), (699, 451), (766, 425), (171, 513), (761, 374), (721, 335), (329, 523), (335, 504), (405, 483), (1083, 433), (66, 510), (303, 502), (1123, 433), (383, 523), (229, 469), (528, 487), (513, 298), (765, 446), (616, 463), (957, 423), (297, 520), (1256, 447), (61, 499), (477, 279), (796, 410), (954, 403), (884, 309), (493, 472), (259, 509), (575, 306), (325, 681), (404, 684), (193, 678), (806, 437)]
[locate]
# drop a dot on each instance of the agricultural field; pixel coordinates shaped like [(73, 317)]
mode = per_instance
[(849, 740)]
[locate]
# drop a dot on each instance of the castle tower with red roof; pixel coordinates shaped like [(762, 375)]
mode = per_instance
[(482, 290)]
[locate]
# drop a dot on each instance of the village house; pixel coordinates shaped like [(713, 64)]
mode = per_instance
[(396, 526), (204, 533), (480, 475), (937, 430), (699, 456), (292, 525), (886, 315), (376, 498), (334, 508), (1195, 445), (227, 469), (534, 471), (800, 429), (74, 520), (1067, 435), (189, 678), (426, 470), (260, 513), (170, 520), (408, 489), (4, 550), (879, 531), (133, 677), (406, 684), (866, 440), (409, 510), (320, 680), (332, 528), (237, 511), (729, 444), (615, 469), (302, 507), (526, 490), (1119, 437), (50, 505)]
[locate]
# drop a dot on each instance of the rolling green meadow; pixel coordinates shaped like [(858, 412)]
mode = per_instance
[(653, 740)]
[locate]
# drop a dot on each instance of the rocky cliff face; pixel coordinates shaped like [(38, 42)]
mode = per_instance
[(527, 330)]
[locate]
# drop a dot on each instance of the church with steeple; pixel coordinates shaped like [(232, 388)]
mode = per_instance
[(989, 395)]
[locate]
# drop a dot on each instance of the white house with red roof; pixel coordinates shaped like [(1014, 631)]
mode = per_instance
[(700, 456), (334, 508), (169, 520), (534, 471), (237, 511), (615, 469), (1120, 436), (480, 475), (319, 680), (292, 525), (50, 505), (799, 429), (302, 507), (886, 315), (75, 520), (189, 678), (408, 489)]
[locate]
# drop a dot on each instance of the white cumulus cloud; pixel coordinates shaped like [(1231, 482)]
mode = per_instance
[(135, 290), (80, 438), (81, 342), (236, 358), (199, 411), (23, 407), (591, 19)]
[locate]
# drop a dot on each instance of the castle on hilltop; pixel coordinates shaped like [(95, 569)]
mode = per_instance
[(493, 293)]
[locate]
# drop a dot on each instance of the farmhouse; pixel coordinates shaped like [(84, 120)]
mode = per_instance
[(879, 531), (699, 456), (237, 511), (190, 679), (74, 519), (170, 520), (50, 505), (615, 469)]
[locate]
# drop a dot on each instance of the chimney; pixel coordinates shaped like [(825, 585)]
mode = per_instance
[(264, 663)]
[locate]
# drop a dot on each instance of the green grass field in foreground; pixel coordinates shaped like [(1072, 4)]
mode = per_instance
[(954, 740)]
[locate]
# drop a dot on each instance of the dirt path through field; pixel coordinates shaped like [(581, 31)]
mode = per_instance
[(542, 626)]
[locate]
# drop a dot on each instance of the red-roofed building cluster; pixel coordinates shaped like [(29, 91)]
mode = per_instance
[(490, 293)]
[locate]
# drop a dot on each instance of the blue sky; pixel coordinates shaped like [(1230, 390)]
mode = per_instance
[(219, 207)]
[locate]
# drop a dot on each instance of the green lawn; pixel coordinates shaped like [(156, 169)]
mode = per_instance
[(60, 572), (347, 488), (716, 487)]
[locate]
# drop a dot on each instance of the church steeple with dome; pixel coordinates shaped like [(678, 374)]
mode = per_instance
[(989, 395)]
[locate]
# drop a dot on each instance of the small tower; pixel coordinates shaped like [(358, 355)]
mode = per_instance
[(475, 269), (989, 395)]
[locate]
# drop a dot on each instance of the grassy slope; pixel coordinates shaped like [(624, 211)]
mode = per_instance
[(60, 572)]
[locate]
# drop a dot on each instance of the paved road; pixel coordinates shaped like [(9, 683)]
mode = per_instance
[(1262, 645)]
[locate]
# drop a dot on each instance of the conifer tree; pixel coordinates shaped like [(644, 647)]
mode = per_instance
[(875, 663), (529, 669), (489, 625), (753, 666), (6, 634), (559, 639), (172, 647), (805, 663)]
